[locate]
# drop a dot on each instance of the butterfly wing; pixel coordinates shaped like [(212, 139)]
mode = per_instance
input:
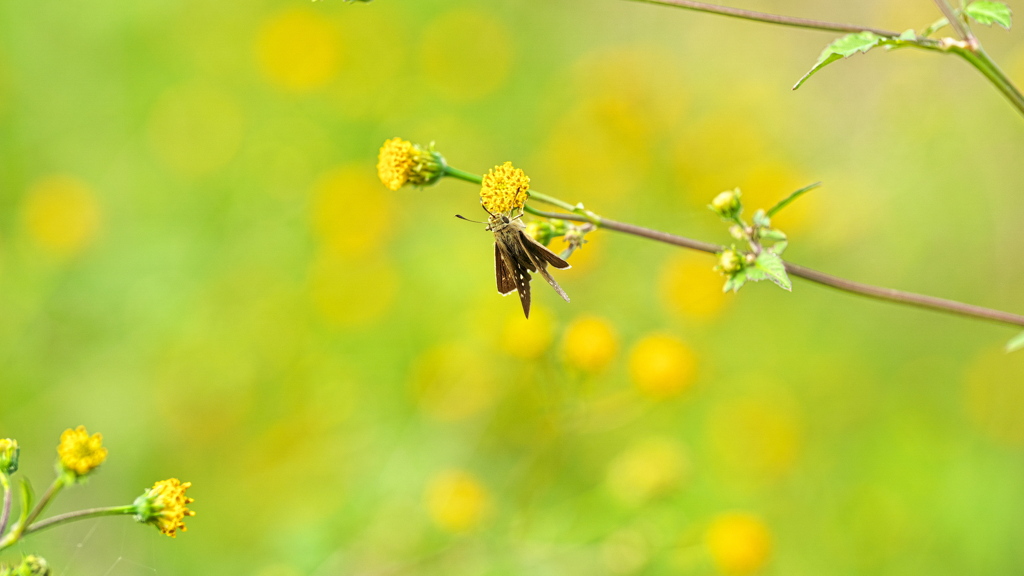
[(518, 266), (542, 253), (503, 272), (541, 257)]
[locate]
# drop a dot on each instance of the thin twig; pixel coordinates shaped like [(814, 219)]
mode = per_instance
[(876, 292), (770, 18), (958, 25)]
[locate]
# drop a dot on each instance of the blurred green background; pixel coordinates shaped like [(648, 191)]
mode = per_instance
[(197, 260)]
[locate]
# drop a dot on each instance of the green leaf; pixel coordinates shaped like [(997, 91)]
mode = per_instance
[(1015, 343), (27, 500), (793, 196), (773, 235), (780, 247), (735, 282), (989, 13), (842, 48), (774, 268), (755, 274)]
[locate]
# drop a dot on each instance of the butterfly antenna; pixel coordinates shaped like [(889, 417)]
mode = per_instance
[(468, 220)]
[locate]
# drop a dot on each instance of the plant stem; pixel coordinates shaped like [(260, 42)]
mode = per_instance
[(19, 528), (958, 25), (80, 515), (52, 491), (463, 175), (5, 515), (984, 64), (972, 52), (770, 18), (876, 292), (534, 195)]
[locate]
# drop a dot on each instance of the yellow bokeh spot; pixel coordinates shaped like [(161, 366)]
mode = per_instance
[(61, 215), (757, 437), (528, 339), (195, 129), (713, 153), (465, 55), (351, 292), (652, 467), (349, 213), (689, 287), (739, 543), (662, 366), (298, 50), (456, 501), (994, 396), (452, 382), (590, 344)]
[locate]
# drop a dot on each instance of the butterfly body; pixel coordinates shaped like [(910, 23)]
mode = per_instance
[(516, 255)]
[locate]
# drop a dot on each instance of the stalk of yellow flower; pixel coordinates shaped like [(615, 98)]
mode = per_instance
[(5, 515)]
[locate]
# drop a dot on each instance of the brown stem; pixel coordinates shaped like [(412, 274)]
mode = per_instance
[(770, 18), (877, 292), (958, 25)]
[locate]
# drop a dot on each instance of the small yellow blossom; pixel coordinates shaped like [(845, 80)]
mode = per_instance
[(165, 506), (505, 188), (80, 453), (739, 543), (401, 162)]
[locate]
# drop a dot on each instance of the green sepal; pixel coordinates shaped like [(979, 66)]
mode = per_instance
[(735, 282), (774, 269), (780, 247), (988, 13), (851, 44), (761, 220), (773, 235), (1015, 343)]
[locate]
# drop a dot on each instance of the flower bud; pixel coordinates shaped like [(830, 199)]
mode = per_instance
[(9, 452), (727, 204), (730, 262), (30, 566)]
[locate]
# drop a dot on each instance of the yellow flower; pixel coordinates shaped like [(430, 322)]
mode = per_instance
[(662, 366), (504, 189), (456, 501), (401, 162), (739, 543), (590, 344), (165, 506), (80, 453)]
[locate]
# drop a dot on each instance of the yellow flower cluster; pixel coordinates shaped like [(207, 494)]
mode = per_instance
[(505, 188), (79, 452), (401, 162), (165, 506)]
